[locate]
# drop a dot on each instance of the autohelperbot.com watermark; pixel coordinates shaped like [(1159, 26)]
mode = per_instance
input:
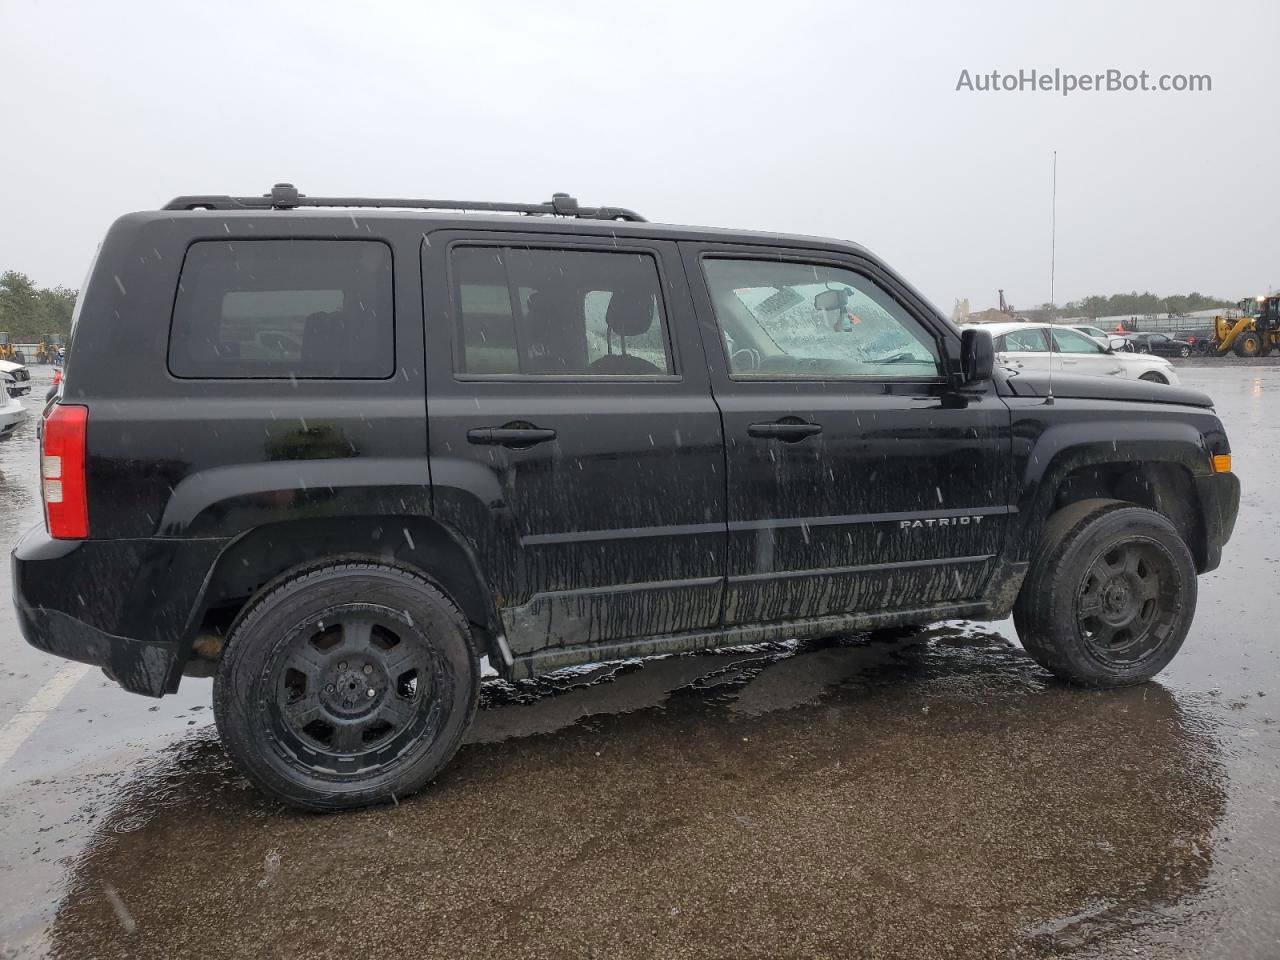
[(1065, 82)]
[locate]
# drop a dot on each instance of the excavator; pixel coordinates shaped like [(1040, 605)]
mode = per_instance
[(1255, 333)]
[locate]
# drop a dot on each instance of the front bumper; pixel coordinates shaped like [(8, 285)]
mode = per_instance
[(124, 605), (1219, 495)]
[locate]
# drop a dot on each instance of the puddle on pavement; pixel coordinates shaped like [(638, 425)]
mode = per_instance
[(740, 803)]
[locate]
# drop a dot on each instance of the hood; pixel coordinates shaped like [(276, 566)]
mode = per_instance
[(1103, 388), (8, 367)]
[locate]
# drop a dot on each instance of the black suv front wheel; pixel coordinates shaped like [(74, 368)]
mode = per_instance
[(346, 684), (1109, 596)]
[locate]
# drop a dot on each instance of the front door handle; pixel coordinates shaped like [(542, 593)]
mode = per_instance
[(788, 429), (510, 435)]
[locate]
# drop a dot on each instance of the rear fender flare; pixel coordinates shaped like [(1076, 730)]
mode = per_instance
[(264, 555)]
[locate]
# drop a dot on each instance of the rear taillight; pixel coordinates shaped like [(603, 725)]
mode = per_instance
[(62, 472)]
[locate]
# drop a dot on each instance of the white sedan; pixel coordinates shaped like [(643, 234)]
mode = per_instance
[(19, 382), (1039, 347), (12, 412)]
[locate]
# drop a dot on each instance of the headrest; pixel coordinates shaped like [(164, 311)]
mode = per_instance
[(630, 312)]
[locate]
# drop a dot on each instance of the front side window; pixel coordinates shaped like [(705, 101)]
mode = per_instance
[(284, 308), (814, 322), (536, 312), (1024, 341), (1068, 341)]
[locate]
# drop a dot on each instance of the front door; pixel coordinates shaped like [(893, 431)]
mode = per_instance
[(573, 438), (1025, 350), (1076, 354), (860, 479)]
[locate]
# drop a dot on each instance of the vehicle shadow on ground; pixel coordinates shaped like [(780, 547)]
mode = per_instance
[(923, 797)]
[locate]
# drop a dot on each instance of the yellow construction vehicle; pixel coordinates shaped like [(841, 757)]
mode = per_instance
[(1255, 333), (50, 343), (7, 352)]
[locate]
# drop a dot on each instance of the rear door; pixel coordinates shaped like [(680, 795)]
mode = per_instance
[(859, 479), (574, 441)]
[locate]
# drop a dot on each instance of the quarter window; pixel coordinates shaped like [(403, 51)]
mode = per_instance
[(814, 322), (284, 308), (536, 312)]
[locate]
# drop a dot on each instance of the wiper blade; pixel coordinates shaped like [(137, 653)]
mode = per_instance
[(899, 358)]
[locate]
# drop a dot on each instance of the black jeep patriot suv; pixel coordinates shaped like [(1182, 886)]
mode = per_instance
[(334, 455)]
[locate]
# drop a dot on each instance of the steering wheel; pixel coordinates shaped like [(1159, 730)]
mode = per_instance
[(753, 357)]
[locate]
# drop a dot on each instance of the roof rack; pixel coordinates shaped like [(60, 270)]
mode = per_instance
[(285, 196)]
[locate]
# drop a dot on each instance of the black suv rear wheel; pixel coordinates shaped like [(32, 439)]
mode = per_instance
[(1109, 596), (346, 684)]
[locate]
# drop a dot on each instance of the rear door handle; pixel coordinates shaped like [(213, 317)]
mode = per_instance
[(788, 429), (510, 435)]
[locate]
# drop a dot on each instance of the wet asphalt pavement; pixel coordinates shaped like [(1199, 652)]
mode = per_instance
[(935, 795)]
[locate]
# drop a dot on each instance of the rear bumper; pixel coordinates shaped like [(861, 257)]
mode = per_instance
[(1219, 495), (123, 605)]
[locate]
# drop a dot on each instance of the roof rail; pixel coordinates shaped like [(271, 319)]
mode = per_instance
[(285, 196)]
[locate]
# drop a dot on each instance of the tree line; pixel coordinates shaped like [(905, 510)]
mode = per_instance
[(28, 312), (1134, 304)]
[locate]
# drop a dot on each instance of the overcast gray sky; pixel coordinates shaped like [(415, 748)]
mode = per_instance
[(838, 119)]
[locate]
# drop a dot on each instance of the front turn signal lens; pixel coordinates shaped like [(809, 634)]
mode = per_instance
[(1222, 463)]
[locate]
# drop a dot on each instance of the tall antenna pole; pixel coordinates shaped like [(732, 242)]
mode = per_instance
[(1053, 229), (1053, 250)]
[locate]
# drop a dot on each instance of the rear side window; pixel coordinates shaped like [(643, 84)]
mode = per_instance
[(284, 308), (532, 312)]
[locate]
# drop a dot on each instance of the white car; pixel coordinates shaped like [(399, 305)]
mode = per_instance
[(19, 382), (12, 412), (1039, 347)]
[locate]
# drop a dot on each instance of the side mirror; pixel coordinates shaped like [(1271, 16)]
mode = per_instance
[(977, 355), (1116, 343)]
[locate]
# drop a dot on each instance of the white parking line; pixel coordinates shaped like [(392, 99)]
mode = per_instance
[(26, 721)]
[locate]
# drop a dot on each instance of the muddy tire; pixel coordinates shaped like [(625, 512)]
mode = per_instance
[(1248, 345), (346, 684), (1109, 596)]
